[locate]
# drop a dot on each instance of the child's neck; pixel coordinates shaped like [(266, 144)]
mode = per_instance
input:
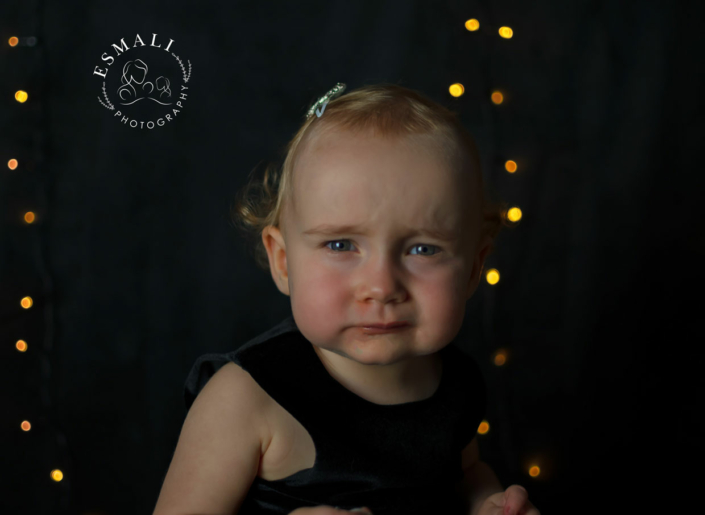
[(414, 380)]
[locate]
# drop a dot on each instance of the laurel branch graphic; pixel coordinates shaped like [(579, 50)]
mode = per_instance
[(186, 78), (109, 105)]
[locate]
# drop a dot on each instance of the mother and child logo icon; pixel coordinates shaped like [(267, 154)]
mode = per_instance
[(134, 73)]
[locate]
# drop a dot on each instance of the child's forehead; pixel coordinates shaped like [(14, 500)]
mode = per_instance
[(328, 157), (336, 139), (366, 187), (351, 207), (337, 164), (409, 181)]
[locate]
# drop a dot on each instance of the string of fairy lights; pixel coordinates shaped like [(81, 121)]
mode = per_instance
[(25, 345), (29, 217), (513, 215)]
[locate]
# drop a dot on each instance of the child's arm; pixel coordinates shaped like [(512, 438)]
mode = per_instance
[(218, 453), (483, 493), (479, 481)]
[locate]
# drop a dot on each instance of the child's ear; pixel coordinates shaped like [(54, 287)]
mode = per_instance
[(478, 264), (485, 247), (276, 252)]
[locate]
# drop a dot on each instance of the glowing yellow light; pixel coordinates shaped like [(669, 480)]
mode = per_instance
[(472, 24), (25, 425), (514, 214), (13, 41), (510, 166), (57, 475), (483, 428), (492, 276), (29, 217), (506, 32), (21, 345), (12, 164), (534, 471), (21, 96), (26, 302), (500, 357), (497, 97), (456, 89)]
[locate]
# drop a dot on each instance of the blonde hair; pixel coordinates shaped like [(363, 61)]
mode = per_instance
[(386, 110)]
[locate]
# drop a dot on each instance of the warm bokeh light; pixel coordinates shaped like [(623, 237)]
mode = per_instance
[(456, 89), (472, 24), (26, 302), (514, 214), (506, 32), (510, 166), (500, 357), (12, 164), (25, 425), (497, 97), (57, 475), (492, 276), (21, 96), (29, 217), (534, 471), (21, 345), (13, 41), (483, 428)]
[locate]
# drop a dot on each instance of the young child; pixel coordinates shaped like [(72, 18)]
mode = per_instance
[(378, 218)]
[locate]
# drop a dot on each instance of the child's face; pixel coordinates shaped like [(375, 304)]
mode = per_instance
[(391, 271)]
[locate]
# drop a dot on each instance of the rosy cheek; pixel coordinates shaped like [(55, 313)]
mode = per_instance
[(321, 291), (329, 281)]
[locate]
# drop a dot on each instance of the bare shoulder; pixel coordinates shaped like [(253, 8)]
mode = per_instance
[(236, 387), (220, 447)]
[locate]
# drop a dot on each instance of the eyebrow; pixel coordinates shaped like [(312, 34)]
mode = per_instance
[(334, 230)]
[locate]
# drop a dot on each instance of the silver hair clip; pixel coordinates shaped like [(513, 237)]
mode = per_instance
[(323, 101)]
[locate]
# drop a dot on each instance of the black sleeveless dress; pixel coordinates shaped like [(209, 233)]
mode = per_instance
[(395, 459)]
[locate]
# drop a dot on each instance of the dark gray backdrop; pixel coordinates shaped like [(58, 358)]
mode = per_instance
[(135, 269)]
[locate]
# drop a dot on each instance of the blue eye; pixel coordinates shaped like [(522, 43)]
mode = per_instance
[(426, 245), (422, 245), (333, 241)]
